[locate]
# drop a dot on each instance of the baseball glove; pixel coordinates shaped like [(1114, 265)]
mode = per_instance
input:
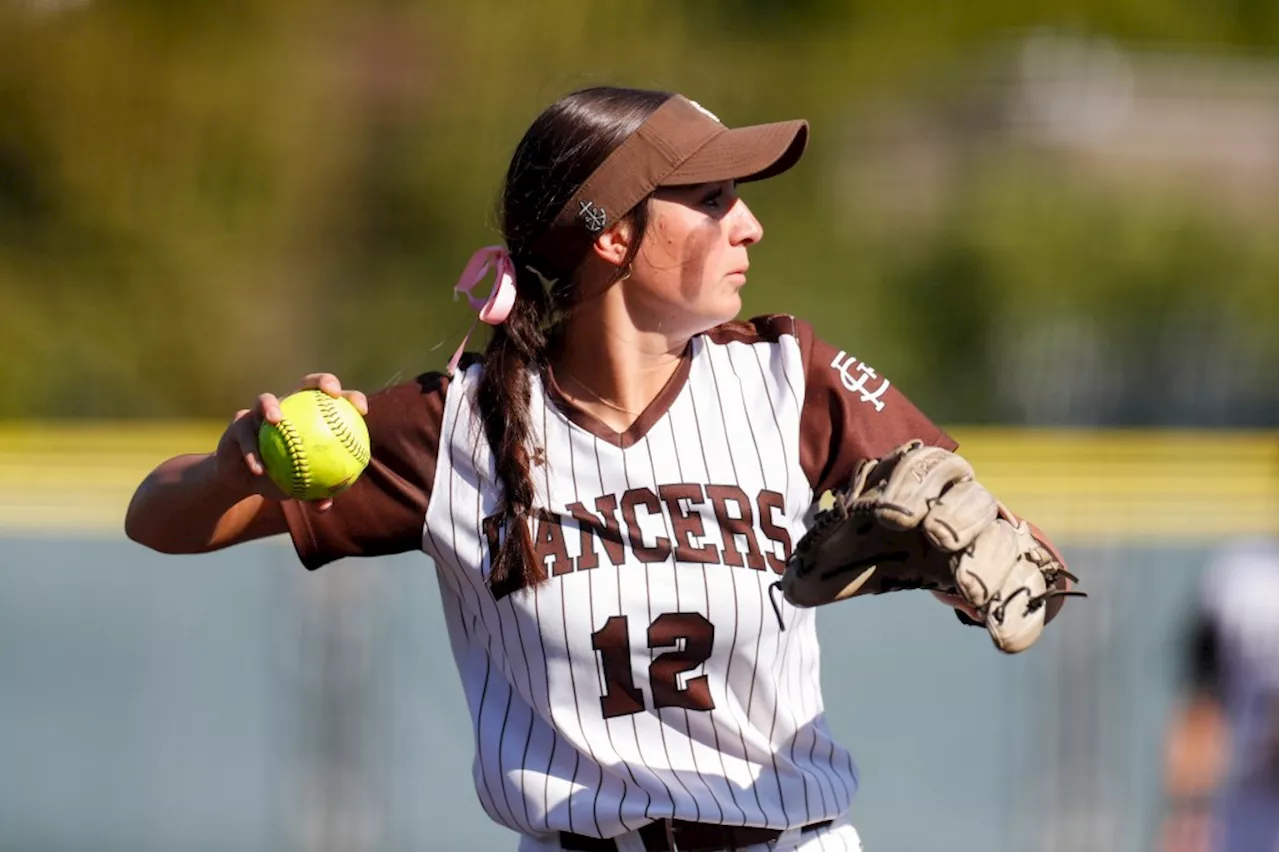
[(917, 519)]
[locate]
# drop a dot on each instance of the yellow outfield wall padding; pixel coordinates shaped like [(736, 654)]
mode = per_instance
[(1081, 486)]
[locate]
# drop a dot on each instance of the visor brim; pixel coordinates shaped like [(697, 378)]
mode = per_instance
[(745, 154)]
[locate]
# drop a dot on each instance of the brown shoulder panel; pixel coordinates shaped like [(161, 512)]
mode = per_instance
[(851, 413), (384, 511)]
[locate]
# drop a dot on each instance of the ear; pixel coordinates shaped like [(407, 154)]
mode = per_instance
[(613, 244)]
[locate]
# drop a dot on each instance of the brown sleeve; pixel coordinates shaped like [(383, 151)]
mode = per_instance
[(851, 413), (384, 511)]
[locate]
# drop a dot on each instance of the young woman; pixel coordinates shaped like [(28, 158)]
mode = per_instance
[(608, 495)]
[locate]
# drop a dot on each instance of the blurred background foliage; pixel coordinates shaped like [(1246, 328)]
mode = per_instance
[(1039, 213)]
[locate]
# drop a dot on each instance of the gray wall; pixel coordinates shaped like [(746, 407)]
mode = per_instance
[(235, 702)]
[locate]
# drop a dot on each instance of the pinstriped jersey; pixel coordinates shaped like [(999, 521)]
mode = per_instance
[(656, 672)]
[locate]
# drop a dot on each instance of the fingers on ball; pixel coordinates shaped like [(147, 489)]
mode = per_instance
[(326, 382), (358, 400), (246, 438), (269, 406)]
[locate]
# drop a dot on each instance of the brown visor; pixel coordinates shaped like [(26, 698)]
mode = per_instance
[(680, 144)]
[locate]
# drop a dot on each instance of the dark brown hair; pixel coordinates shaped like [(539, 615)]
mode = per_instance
[(559, 151)]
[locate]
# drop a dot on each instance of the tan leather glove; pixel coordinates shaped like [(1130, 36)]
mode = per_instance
[(918, 519)]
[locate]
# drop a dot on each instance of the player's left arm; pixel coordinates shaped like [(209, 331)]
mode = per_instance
[(852, 414)]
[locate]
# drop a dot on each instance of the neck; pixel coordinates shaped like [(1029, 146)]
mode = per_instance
[(611, 368)]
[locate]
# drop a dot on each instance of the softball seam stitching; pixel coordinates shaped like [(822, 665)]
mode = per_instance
[(338, 426), (299, 470)]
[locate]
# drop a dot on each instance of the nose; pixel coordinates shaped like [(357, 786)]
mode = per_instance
[(746, 229)]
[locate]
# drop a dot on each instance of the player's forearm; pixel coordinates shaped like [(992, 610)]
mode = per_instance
[(184, 506)]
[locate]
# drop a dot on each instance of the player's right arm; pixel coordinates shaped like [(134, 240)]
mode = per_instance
[(187, 506), (200, 503)]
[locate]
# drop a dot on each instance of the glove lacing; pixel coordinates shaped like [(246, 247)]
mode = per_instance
[(997, 608)]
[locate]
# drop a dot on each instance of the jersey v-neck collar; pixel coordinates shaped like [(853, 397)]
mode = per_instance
[(652, 413)]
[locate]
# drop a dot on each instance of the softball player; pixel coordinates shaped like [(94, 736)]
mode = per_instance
[(1221, 749), (609, 495)]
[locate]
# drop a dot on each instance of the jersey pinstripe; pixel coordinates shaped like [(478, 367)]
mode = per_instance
[(650, 676)]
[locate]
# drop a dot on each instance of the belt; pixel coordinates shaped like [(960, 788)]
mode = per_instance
[(675, 835)]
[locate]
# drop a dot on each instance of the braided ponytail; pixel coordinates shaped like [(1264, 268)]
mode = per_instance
[(560, 150), (503, 398)]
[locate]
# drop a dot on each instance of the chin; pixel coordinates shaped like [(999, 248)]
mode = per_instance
[(704, 321), (711, 313), (723, 311), (732, 307)]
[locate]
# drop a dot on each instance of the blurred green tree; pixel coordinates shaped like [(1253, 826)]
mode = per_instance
[(198, 203)]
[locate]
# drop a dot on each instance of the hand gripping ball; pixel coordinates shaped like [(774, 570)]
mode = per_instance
[(319, 447)]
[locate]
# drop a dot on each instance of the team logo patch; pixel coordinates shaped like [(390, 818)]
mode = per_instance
[(592, 216), (855, 376)]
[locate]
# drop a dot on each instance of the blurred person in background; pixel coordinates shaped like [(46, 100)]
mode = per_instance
[(1222, 749), (651, 461)]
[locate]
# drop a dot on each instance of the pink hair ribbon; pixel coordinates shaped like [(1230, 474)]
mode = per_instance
[(494, 309)]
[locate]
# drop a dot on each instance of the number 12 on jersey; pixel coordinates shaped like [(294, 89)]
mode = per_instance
[(691, 636)]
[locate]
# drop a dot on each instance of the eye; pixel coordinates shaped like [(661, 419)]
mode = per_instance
[(715, 198)]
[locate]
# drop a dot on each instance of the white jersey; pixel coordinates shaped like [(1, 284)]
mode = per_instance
[(657, 672)]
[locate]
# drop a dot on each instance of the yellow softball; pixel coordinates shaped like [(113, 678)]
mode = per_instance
[(319, 447)]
